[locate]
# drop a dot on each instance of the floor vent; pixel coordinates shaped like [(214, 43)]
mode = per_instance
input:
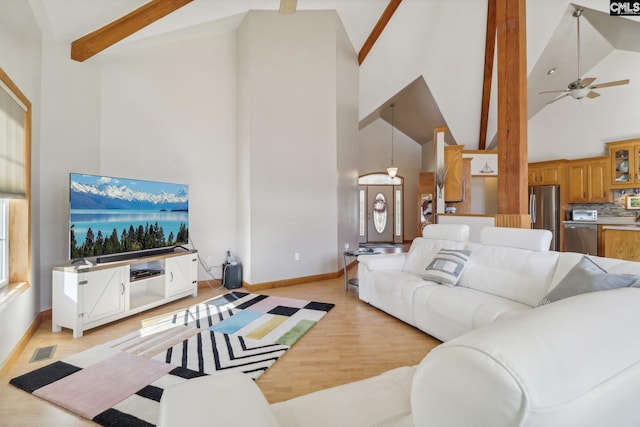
[(43, 353)]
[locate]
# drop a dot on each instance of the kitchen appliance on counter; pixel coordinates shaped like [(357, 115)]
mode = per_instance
[(581, 234), (585, 215), (544, 210)]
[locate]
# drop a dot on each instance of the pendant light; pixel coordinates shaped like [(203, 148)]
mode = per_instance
[(392, 170)]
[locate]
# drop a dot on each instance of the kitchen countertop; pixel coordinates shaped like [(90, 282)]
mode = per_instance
[(609, 220)]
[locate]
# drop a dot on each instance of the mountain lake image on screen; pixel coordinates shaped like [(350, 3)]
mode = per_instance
[(109, 215)]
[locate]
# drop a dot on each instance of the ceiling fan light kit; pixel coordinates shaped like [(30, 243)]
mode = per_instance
[(581, 88)]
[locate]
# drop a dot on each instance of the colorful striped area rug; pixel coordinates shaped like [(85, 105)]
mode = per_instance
[(121, 382)]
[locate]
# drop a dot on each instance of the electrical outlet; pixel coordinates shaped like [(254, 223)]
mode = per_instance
[(346, 246), (296, 256)]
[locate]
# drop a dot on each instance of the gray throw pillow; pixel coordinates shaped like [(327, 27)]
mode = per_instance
[(587, 276)]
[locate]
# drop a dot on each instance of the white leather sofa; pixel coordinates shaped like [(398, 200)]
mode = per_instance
[(508, 273), (506, 361), (575, 362)]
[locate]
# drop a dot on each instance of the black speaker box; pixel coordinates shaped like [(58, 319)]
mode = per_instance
[(232, 275)]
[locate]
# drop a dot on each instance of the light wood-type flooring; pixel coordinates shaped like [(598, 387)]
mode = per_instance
[(353, 341)]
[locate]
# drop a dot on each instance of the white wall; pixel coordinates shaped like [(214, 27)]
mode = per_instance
[(375, 156), (168, 114), (484, 195), (243, 147), (70, 143), (288, 128), (347, 141), (20, 44)]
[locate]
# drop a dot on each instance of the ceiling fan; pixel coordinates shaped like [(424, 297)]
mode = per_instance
[(581, 88), (288, 6)]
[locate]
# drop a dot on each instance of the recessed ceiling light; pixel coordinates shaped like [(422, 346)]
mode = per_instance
[(551, 71)]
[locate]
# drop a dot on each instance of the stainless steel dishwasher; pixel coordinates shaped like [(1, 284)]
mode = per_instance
[(581, 238)]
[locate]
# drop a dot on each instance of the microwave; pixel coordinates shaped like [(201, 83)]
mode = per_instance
[(632, 202)]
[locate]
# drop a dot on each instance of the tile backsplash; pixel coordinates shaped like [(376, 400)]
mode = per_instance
[(609, 209)]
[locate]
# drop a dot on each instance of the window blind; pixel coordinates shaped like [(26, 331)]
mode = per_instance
[(12, 145)]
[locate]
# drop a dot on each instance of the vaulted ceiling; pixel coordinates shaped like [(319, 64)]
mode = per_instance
[(69, 20)]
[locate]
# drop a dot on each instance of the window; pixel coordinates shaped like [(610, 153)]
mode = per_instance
[(4, 243), (15, 203), (363, 212), (12, 144), (398, 212)]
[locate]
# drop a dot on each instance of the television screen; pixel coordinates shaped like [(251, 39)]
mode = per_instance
[(109, 215)]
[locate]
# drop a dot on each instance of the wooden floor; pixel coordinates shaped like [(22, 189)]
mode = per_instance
[(353, 341)]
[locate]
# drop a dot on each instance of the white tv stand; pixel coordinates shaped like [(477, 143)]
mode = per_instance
[(86, 296)]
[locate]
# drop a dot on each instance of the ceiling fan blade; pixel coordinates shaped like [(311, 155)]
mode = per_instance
[(587, 81), (557, 99), (593, 94), (288, 6), (553, 91), (609, 84)]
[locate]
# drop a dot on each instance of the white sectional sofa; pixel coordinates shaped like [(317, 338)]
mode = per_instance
[(508, 273), (575, 362), (506, 362)]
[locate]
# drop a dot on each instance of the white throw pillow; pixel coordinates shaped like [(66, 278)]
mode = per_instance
[(423, 250), (447, 266)]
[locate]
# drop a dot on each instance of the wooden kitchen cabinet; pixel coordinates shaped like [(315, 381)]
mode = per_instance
[(624, 163), (453, 191), (588, 180), (546, 173), (622, 243)]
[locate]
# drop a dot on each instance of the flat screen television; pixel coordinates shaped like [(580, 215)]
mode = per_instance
[(118, 218)]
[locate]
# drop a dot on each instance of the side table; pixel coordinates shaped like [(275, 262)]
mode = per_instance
[(351, 254)]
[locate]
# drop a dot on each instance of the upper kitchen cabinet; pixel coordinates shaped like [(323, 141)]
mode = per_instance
[(453, 187), (588, 182), (625, 163), (546, 173)]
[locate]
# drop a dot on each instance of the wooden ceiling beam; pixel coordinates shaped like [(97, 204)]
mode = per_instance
[(288, 7), (377, 30), (489, 51), (97, 41)]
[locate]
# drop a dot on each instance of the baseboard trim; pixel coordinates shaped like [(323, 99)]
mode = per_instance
[(285, 282), (290, 282), (21, 345), (208, 284)]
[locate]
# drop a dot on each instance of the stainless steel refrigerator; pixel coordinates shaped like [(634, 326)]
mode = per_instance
[(544, 209)]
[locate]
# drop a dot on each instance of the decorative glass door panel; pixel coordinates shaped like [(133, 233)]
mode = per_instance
[(380, 213), (622, 165)]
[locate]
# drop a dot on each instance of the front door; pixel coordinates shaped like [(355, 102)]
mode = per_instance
[(380, 213)]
